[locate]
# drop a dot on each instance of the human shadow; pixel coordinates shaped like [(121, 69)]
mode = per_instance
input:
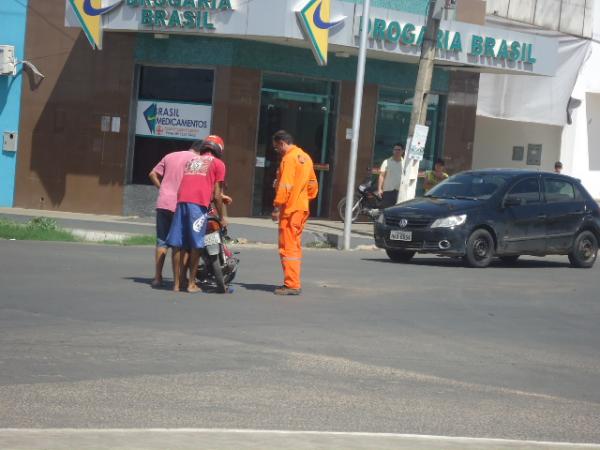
[(166, 285), (257, 286)]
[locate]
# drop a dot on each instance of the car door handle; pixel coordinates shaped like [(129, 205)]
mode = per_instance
[(542, 216)]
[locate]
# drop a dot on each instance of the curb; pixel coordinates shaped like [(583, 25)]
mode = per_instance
[(99, 236), (331, 240)]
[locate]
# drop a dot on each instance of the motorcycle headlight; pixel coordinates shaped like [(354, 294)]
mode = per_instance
[(449, 222)]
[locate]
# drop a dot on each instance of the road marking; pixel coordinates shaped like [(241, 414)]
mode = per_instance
[(496, 442)]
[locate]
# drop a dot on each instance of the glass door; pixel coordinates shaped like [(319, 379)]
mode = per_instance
[(304, 109)]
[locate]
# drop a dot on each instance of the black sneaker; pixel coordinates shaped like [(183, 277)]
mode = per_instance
[(284, 290)]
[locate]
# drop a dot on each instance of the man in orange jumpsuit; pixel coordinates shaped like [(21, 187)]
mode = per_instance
[(296, 185)]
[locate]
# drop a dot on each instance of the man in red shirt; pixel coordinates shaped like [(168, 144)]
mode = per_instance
[(166, 176), (202, 181)]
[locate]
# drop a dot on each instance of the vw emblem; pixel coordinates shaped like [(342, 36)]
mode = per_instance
[(402, 223)]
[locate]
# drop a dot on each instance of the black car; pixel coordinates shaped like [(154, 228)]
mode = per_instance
[(500, 212)]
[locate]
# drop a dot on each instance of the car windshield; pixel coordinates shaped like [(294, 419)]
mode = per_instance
[(475, 186)]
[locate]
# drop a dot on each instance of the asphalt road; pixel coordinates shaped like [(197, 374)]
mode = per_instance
[(371, 346)]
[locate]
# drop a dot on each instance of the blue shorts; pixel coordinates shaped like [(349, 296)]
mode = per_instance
[(188, 227)]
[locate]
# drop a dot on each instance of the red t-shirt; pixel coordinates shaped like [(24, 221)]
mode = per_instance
[(199, 177)]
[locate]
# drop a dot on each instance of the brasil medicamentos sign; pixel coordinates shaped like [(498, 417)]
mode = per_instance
[(172, 120)]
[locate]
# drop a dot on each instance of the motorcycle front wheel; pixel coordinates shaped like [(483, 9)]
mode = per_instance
[(215, 263), (341, 207)]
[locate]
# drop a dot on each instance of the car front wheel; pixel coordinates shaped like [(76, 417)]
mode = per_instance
[(400, 255), (480, 249), (585, 250)]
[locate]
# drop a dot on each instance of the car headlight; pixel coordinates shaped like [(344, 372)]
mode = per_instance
[(449, 222), (380, 218)]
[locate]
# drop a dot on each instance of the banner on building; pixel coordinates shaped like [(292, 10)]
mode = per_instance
[(172, 120)]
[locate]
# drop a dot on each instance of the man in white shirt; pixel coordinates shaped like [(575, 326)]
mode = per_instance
[(390, 174)]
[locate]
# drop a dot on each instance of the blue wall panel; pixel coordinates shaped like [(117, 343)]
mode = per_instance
[(13, 16)]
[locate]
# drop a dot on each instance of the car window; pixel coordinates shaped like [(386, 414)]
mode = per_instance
[(525, 191), (472, 185), (556, 190)]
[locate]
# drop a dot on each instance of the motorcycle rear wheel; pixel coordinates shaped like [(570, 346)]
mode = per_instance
[(341, 207)]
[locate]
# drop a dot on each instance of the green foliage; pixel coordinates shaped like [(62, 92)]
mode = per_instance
[(38, 229)]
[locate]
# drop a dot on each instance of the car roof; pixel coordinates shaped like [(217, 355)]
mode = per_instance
[(518, 172)]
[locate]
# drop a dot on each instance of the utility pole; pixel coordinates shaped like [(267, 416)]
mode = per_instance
[(358, 97), (408, 184)]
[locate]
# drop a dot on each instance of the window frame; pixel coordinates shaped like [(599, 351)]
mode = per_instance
[(521, 180)]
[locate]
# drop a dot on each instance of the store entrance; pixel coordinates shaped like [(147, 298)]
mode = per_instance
[(305, 108)]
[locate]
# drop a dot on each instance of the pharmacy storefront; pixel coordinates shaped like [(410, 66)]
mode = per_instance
[(164, 73)]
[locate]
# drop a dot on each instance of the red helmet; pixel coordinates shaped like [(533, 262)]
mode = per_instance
[(215, 144)]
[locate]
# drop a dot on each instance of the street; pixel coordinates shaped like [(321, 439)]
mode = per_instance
[(429, 347)]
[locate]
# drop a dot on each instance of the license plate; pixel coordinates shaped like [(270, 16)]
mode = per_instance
[(399, 235), (212, 238)]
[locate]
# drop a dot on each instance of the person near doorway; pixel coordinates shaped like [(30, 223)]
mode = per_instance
[(558, 167), (435, 176), (201, 183), (390, 175), (296, 185), (166, 176)]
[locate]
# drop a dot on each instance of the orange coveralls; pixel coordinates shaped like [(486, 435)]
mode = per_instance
[(296, 185)]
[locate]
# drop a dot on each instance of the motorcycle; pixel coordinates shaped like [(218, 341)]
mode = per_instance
[(365, 201), (218, 265)]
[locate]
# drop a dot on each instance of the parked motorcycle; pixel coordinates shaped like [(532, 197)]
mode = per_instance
[(365, 200), (218, 264)]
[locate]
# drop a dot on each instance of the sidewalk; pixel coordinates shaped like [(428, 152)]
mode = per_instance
[(246, 229)]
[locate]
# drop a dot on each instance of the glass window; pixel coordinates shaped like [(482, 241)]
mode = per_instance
[(168, 84), (556, 190), (479, 186), (306, 108), (526, 191), (393, 119)]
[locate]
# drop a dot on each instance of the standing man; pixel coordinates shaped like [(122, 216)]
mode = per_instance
[(166, 176), (202, 179), (390, 175), (558, 166), (296, 185)]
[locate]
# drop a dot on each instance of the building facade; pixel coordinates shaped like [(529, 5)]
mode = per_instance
[(172, 71), (532, 122), (13, 16)]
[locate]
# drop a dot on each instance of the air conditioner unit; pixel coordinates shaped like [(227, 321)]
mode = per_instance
[(7, 60)]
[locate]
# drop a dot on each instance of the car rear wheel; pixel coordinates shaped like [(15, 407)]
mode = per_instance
[(509, 260), (400, 255), (585, 250), (480, 248)]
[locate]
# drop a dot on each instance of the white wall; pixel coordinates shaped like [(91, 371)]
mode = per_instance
[(495, 138), (581, 140), (581, 144)]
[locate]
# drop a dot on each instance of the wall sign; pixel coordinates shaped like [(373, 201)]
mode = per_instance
[(156, 118), (534, 154), (518, 153)]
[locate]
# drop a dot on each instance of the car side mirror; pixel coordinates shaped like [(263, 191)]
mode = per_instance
[(511, 201)]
